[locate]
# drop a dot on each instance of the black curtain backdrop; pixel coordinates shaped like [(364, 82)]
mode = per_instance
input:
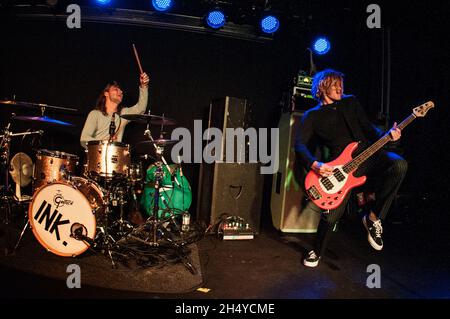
[(45, 62)]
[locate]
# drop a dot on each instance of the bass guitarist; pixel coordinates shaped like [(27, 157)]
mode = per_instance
[(335, 122)]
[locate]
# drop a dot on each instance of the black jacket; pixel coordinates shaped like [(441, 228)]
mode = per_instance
[(316, 129)]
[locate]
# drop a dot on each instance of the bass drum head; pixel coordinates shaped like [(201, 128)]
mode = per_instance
[(174, 197), (57, 210)]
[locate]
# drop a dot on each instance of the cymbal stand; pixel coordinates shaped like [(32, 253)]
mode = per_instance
[(158, 149), (153, 223), (5, 193), (107, 242), (122, 225)]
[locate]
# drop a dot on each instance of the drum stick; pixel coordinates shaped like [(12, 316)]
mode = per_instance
[(137, 59)]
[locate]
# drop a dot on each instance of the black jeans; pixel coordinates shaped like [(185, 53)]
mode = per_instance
[(385, 172)]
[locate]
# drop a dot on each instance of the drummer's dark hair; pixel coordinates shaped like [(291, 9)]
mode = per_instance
[(101, 100)]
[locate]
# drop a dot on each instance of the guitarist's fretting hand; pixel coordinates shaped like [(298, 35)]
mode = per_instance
[(395, 132), (322, 169)]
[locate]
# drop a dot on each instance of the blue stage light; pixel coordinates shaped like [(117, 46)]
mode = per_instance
[(162, 5), (321, 46), (270, 24), (215, 19), (103, 2)]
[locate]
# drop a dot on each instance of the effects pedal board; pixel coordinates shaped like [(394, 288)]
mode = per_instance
[(237, 234), (235, 228)]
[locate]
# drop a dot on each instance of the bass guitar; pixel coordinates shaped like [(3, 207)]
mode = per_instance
[(329, 192)]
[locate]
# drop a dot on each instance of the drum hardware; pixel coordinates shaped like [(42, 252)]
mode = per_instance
[(154, 229), (105, 241), (94, 204), (7, 197), (121, 226)]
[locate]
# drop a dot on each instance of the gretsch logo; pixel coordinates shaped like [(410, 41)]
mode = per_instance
[(59, 200)]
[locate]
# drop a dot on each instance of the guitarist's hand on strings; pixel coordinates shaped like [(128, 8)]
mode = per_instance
[(395, 132), (322, 169)]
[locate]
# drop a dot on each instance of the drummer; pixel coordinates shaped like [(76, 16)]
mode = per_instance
[(98, 122)]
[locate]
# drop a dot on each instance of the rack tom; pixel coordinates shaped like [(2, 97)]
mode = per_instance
[(53, 166)]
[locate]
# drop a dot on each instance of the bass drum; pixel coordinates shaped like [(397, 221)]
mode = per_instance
[(61, 210), (175, 192)]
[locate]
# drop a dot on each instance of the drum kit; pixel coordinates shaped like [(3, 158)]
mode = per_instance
[(69, 214)]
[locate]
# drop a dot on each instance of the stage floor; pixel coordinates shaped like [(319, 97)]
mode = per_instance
[(413, 264)]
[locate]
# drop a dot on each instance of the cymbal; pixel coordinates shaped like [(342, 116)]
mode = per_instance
[(148, 118), (36, 105), (21, 169), (159, 142), (42, 119)]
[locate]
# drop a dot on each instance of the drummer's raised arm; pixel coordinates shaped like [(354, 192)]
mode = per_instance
[(141, 105)]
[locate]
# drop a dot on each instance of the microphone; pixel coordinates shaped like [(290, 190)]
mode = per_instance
[(112, 126), (78, 231)]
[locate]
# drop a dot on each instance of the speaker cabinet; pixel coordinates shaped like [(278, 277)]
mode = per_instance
[(291, 213), (230, 188)]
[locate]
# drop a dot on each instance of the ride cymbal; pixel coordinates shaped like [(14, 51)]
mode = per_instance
[(148, 118)]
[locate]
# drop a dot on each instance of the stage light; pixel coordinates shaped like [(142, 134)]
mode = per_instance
[(321, 46), (103, 2), (215, 18), (269, 24), (162, 5)]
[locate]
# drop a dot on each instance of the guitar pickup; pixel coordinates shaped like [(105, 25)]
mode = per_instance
[(313, 193)]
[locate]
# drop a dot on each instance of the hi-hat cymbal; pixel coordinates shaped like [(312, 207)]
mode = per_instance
[(42, 119), (159, 142), (148, 118)]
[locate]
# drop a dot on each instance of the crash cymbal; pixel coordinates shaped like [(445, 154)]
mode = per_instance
[(42, 119), (148, 118), (35, 105), (159, 142), (20, 103)]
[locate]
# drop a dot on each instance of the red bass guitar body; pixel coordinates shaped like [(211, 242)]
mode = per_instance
[(329, 192)]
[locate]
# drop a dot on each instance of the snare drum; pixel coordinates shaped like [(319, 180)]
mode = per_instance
[(107, 159), (53, 166), (61, 211)]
